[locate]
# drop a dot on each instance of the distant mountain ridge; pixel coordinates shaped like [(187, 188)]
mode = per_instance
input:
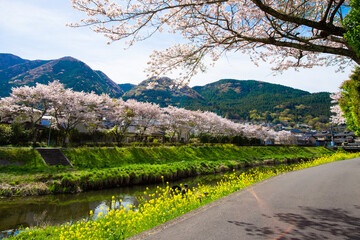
[(68, 70), (8, 60), (231, 88)]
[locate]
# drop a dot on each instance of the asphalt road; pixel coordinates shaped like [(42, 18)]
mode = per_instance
[(322, 202)]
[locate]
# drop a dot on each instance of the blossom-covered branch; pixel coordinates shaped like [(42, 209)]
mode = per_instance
[(286, 33)]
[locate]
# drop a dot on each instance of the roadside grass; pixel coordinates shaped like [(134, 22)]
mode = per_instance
[(158, 207)]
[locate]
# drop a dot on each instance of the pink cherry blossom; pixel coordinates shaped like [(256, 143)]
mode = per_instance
[(338, 117), (288, 34), (70, 110)]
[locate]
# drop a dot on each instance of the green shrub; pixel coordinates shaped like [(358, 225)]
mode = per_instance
[(6, 134), (20, 136)]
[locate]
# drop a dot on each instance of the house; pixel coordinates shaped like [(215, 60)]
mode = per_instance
[(303, 138), (327, 138), (344, 138), (323, 138)]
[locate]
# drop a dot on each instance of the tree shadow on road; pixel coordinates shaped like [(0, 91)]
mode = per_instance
[(311, 224)]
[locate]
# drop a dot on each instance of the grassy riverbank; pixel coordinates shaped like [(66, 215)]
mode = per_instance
[(98, 168), (115, 157), (156, 207)]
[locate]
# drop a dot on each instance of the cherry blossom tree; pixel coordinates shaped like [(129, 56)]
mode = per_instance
[(177, 122), (338, 117), (205, 123), (220, 127), (213, 125), (146, 116), (283, 137), (29, 104), (100, 106), (288, 34), (70, 109), (122, 115), (67, 107)]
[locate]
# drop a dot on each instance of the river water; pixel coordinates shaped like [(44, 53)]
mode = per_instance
[(22, 212)]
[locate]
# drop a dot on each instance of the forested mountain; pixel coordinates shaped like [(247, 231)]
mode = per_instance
[(8, 60), (163, 91), (69, 71), (126, 86), (256, 100)]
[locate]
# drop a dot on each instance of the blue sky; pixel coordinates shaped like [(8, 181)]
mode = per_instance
[(36, 29)]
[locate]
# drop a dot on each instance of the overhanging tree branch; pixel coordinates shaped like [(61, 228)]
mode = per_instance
[(212, 28)]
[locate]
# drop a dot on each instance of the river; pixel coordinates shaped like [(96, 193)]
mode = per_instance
[(22, 212)]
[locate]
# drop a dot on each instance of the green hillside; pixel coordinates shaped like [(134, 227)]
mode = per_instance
[(8, 60), (163, 91), (258, 101), (69, 71), (126, 86), (8, 75)]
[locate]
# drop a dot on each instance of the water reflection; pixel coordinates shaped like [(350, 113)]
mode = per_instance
[(59, 209)]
